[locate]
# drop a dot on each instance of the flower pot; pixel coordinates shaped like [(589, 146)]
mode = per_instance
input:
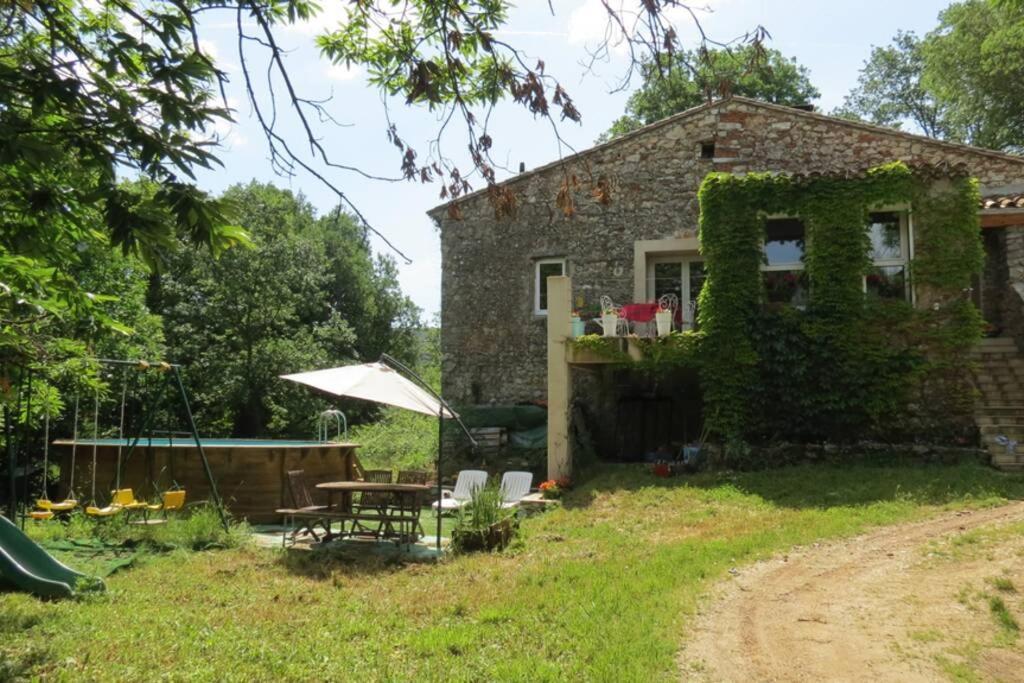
[(495, 537), (610, 324), (664, 322), (577, 326)]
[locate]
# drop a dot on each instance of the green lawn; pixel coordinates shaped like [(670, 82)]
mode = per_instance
[(599, 590)]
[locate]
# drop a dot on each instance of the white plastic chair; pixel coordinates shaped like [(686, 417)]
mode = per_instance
[(467, 482), (514, 487)]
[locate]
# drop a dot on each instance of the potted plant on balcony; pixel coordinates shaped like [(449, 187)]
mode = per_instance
[(578, 326), (609, 317)]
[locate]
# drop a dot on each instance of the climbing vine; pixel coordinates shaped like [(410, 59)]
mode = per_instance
[(847, 366), (676, 350)]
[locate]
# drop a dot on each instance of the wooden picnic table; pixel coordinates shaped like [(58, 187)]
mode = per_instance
[(405, 510)]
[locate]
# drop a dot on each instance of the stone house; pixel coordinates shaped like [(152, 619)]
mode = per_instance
[(621, 219)]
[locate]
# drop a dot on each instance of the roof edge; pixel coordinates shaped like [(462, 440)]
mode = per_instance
[(825, 118), (686, 113)]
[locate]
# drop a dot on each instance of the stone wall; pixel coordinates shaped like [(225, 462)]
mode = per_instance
[(994, 276), (642, 186), (1013, 297)]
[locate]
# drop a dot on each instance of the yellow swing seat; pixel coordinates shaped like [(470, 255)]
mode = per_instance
[(107, 511), (50, 506), (126, 498), (169, 502), (41, 514)]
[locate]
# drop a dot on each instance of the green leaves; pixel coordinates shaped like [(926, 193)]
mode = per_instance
[(958, 83), (304, 294), (846, 367), (694, 77)]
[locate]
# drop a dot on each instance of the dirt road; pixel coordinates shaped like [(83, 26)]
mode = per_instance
[(904, 603)]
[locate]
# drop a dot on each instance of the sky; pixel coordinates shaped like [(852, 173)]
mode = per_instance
[(830, 37)]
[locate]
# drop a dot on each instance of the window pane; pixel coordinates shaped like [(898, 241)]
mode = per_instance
[(886, 237), (784, 242), (888, 282), (546, 270), (697, 277), (786, 287), (668, 279)]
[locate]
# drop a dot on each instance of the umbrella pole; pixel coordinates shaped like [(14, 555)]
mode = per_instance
[(440, 436)]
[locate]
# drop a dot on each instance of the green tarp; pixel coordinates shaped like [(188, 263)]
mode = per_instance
[(527, 425)]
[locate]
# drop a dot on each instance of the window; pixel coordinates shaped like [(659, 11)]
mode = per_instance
[(889, 234), (544, 269), (783, 270), (679, 275), (707, 150)]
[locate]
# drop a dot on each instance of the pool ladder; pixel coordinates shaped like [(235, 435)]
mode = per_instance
[(328, 418)]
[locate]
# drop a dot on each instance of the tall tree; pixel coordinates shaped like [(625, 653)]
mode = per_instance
[(298, 299), (890, 92), (974, 63), (91, 90), (958, 83), (750, 71)]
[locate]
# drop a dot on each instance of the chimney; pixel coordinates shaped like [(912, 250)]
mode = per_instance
[(522, 167)]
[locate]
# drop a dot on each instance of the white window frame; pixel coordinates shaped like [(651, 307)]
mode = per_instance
[(906, 249), (537, 310), (684, 261), (795, 265)]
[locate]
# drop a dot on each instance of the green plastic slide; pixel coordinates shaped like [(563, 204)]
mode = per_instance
[(32, 569)]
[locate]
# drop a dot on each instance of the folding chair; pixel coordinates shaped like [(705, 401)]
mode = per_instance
[(303, 508), (372, 500)]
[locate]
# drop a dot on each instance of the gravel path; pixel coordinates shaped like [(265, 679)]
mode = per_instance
[(849, 611)]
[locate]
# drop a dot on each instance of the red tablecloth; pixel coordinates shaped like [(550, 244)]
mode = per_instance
[(639, 313), (644, 313)]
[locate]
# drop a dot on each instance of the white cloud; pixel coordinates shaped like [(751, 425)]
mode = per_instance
[(341, 72), (328, 18), (211, 50)]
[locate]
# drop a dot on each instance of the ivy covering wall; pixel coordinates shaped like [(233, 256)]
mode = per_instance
[(849, 366)]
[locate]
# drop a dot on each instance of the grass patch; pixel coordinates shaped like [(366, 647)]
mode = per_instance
[(1003, 584), (600, 589), (1004, 619)]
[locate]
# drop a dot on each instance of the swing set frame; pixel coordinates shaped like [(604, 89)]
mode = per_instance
[(164, 368)]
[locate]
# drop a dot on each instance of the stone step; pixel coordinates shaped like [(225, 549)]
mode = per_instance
[(1001, 369), (1012, 362), (997, 394), (999, 383), (992, 355), (1015, 432), (1002, 397), (999, 420), (1012, 377), (1009, 465), (996, 342), (999, 398), (998, 410)]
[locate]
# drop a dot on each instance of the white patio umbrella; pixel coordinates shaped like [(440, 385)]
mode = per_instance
[(374, 382), (382, 382)]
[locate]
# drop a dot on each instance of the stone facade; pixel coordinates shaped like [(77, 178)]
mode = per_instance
[(642, 186), (1012, 300)]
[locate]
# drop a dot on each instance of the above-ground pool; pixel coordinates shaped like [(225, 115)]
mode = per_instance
[(251, 474)]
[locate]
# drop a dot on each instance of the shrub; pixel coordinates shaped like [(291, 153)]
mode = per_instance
[(483, 524)]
